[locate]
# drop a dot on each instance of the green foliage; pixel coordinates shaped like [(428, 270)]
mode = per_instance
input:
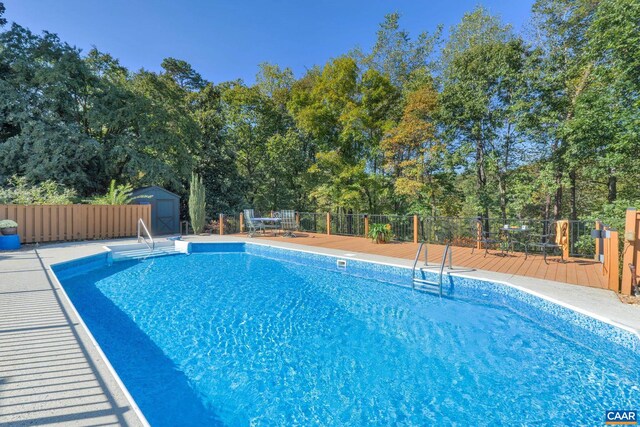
[(18, 191), (483, 65), (397, 56), (2, 9), (197, 204), (116, 195), (380, 233), (488, 122), (7, 223)]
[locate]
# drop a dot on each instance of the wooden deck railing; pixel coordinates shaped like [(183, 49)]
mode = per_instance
[(418, 228), (577, 239), (54, 223), (630, 250), (610, 257)]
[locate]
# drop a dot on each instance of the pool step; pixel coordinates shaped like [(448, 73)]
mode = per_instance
[(142, 251), (430, 284), (427, 285)]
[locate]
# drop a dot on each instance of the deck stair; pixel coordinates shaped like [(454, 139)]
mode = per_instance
[(146, 247), (141, 251), (425, 284)]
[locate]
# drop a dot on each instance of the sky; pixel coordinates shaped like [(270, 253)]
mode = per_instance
[(226, 40)]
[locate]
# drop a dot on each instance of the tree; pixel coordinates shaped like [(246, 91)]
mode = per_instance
[(482, 68), (197, 204), (44, 88), (415, 156), (183, 74), (215, 157), (285, 176), (2, 10), (275, 83), (612, 102), (395, 55), (562, 71), (336, 185), (251, 120)]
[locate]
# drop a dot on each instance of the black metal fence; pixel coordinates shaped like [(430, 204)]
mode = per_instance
[(347, 224), (401, 225), (436, 230), (313, 222)]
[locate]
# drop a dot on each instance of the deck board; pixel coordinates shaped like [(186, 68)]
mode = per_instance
[(576, 271)]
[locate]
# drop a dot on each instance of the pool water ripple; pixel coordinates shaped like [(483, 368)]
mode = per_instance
[(240, 339)]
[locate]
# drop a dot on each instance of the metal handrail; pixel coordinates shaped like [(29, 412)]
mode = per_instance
[(446, 255), (447, 250), (415, 261), (143, 227)]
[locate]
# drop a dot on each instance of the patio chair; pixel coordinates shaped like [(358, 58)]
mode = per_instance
[(484, 237), (288, 223), (550, 241), (635, 281), (252, 226)]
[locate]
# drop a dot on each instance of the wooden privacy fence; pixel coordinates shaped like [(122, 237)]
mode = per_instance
[(54, 223)]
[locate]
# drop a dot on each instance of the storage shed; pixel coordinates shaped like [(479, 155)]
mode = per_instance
[(165, 209)]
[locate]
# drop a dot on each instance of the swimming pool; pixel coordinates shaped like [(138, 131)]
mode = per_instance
[(239, 334)]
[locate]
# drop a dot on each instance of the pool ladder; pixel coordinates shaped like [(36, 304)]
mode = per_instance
[(447, 255)]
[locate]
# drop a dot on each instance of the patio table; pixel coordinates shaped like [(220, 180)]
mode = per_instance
[(274, 220), (269, 222), (512, 232)]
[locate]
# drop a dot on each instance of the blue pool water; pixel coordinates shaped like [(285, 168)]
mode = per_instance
[(243, 339)]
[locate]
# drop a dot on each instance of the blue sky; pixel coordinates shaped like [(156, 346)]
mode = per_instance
[(225, 40)]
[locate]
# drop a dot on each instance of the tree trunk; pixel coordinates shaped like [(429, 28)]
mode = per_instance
[(612, 185), (557, 202), (547, 212), (573, 194), (502, 189), (482, 182)]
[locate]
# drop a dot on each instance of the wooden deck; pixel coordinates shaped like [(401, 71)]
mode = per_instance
[(576, 271)]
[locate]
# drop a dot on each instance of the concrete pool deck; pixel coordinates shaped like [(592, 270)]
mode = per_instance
[(52, 373)]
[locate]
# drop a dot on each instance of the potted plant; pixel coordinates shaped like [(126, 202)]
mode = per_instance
[(380, 233), (8, 227)]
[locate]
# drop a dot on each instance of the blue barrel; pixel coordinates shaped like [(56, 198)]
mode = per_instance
[(10, 242)]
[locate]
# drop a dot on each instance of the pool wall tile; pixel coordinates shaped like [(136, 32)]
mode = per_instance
[(68, 269)]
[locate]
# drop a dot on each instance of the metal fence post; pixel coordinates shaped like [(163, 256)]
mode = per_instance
[(598, 243)]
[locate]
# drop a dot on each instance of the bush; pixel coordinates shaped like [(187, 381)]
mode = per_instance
[(197, 204), (116, 195), (380, 233), (7, 223), (20, 192)]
